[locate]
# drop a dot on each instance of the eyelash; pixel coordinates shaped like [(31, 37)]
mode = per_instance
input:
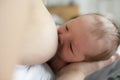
[(70, 47)]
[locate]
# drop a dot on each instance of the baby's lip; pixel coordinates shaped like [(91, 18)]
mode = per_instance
[(59, 45), (58, 41)]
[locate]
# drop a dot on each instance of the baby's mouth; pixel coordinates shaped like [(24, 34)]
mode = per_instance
[(58, 41), (59, 44)]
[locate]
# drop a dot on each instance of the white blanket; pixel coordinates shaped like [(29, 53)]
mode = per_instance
[(35, 72)]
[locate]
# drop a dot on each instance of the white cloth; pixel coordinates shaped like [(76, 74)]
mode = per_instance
[(118, 50), (34, 72)]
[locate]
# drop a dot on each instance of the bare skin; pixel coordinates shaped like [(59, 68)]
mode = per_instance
[(76, 42), (25, 26), (78, 71)]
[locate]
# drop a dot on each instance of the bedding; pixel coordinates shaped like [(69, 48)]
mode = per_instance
[(34, 72)]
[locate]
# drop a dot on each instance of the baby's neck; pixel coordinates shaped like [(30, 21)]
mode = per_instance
[(56, 64)]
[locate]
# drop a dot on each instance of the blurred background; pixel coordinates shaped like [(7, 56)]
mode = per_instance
[(64, 10)]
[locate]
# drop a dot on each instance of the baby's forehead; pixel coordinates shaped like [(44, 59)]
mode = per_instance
[(94, 17), (86, 18), (91, 18), (92, 21)]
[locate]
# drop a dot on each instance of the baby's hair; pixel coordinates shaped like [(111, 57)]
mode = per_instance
[(106, 31)]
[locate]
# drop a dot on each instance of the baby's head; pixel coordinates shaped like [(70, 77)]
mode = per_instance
[(90, 37)]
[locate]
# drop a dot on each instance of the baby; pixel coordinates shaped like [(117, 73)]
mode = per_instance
[(90, 37)]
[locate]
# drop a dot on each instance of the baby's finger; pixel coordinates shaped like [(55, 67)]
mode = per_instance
[(115, 57)]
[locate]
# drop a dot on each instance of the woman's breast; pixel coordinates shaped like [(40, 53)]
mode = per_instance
[(39, 45), (40, 38)]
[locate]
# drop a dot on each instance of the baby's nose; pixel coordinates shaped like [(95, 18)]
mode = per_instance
[(59, 32), (62, 39)]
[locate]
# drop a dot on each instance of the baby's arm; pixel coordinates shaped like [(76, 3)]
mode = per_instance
[(71, 75), (78, 71)]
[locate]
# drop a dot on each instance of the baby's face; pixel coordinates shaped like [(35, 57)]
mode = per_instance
[(75, 40)]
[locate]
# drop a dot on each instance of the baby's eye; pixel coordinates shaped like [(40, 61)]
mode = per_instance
[(70, 45)]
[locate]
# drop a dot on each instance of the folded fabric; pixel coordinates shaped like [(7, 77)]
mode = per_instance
[(34, 72)]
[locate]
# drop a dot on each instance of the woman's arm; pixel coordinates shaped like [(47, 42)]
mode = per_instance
[(78, 71)]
